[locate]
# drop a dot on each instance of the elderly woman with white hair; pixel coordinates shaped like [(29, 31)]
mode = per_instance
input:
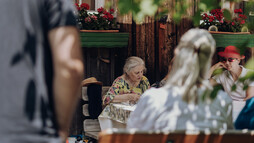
[(128, 87), (185, 102)]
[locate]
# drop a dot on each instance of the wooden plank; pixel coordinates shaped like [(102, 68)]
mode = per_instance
[(104, 90), (85, 110), (94, 135), (91, 125), (109, 136), (84, 93)]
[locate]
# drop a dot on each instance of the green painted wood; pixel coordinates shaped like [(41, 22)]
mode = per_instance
[(238, 40), (104, 40)]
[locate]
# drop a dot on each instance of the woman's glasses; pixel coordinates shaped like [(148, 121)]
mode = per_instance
[(224, 60)]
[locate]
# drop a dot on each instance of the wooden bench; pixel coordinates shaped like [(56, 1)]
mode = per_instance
[(132, 136), (91, 126)]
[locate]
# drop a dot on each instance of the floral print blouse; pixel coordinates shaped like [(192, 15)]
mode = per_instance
[(120, 86)]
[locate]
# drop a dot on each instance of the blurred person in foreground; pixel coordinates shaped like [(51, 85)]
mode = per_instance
[(36, 104), (184, 102)]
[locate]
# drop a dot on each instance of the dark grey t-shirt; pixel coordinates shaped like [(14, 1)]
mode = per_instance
[(25, 94)]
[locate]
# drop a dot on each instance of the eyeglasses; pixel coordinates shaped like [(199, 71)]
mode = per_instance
[(224, 60)]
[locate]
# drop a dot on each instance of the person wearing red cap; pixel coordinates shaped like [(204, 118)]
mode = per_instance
[(230, 63), (231, 59)]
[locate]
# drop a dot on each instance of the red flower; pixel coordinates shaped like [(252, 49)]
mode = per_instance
[(94, 17), (242, 16), (85, 6), (112, 10), (243, 21), (233, 23), (77, 6), (238, 11), (101, 9), (204, 16), (211, 18), (95, 21), (88, 19), (105, 12), (110, 17)]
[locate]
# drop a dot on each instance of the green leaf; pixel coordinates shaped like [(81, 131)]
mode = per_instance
[(245, 87), (215, 91), (250, 64), (210, 4), (125, 6), (196, 19), (233, 88), (217, 71), (227, 14), (242, 47)]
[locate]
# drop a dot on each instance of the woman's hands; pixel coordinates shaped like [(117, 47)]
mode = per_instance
[(133, 97), (219, 65)]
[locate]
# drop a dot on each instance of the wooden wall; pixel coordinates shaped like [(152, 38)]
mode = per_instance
[(154, 42)]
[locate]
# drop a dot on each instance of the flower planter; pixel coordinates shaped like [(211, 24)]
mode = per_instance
[(100, 31), (237, 39), (103, 39), (220, 32)]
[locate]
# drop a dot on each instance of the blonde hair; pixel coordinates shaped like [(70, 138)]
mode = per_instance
[(133, 62), (192, 63)]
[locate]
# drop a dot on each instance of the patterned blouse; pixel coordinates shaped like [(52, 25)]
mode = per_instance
[(120, 86)]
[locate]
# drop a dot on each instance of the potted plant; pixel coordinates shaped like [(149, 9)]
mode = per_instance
[(216, 18), (98, 29), (99, 20)]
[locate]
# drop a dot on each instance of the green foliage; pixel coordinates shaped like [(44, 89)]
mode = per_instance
[(209, 4), (196, 18), (215, 91), (233, 88), (227, 15), (250, 64), (217, 71)]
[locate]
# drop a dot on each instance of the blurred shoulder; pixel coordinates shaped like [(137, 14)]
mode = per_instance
[(156, 93), (222, 96)]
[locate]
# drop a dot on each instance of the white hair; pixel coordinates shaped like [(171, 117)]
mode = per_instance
[(133, 62), (192, 63)]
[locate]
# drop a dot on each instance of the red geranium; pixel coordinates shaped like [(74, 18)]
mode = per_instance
[(100, 20), (85, 6), (216, 17)]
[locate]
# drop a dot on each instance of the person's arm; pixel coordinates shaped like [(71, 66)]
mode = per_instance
[(68, 73), (126, 97), (249, 92), (217, 66)]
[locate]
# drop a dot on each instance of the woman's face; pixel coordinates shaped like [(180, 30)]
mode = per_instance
[(136, 73), (230, 63)]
